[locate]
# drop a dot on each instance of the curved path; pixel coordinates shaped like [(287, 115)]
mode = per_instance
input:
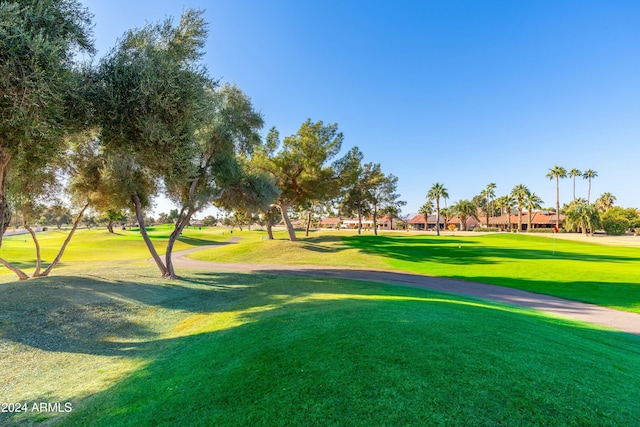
[(610, 318)]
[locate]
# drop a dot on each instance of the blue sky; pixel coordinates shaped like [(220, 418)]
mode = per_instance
[(459, 92)]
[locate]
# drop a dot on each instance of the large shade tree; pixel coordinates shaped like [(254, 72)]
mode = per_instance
[(149, 100), (437, 192), (164, 121), (39, 86), (220, 170), (303, 166), (385, 199)]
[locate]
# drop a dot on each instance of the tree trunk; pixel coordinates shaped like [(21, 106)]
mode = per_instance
[(5, 214), (437, 216), (557, 202), (58, 257), (375, 220), (139, 216), (36, 273), (488, 207), (180, 225), (110, 226), (21, 274), (519, 219), (285, 216), (270, 216), (359, 221), (308, 224)]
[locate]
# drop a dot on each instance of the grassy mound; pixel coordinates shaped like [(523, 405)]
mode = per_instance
[(229, 349)]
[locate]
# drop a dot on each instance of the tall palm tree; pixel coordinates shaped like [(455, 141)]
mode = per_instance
[(588, 174), (605, 201), (557, 172), (531, 202), (437, 191), (425, 210), (573, 173), (520, 193), (489, 193)]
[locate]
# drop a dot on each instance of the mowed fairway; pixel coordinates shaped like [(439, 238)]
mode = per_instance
[(126, 348), (97, 246), (603, 275)]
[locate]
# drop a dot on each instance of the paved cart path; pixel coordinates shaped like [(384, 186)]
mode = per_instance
[(615, 319)]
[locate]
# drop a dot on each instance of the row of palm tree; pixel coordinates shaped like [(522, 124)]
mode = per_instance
[(558, 172), (520, 196)]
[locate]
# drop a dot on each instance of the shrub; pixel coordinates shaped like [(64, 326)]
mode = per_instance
[(615, 226), (545, 230), (486, 229)]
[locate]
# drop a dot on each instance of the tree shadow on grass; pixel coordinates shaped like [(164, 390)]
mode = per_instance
[(621, 295), (305, 350), (464, 251), (196, 241), (98, 316)]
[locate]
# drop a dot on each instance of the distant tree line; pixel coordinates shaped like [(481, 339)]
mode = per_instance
[(581, 215)]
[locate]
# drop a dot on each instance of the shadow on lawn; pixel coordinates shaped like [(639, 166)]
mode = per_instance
[(96, 316), (92, 315), (341, 344), (464, 251)]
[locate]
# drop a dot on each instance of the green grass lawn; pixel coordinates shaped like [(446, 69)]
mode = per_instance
[(96, 246), (127, 348), (603, 275), (234, 349)]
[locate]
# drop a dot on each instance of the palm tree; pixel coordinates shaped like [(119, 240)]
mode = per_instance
[(573, 173), (605, 201), (557, 172), (506, 203), (489, 193), (437, 191), (531, 202), (425, 210), (588, 174), (582, 216), (445, 213), (465, 210), (520, 193)]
